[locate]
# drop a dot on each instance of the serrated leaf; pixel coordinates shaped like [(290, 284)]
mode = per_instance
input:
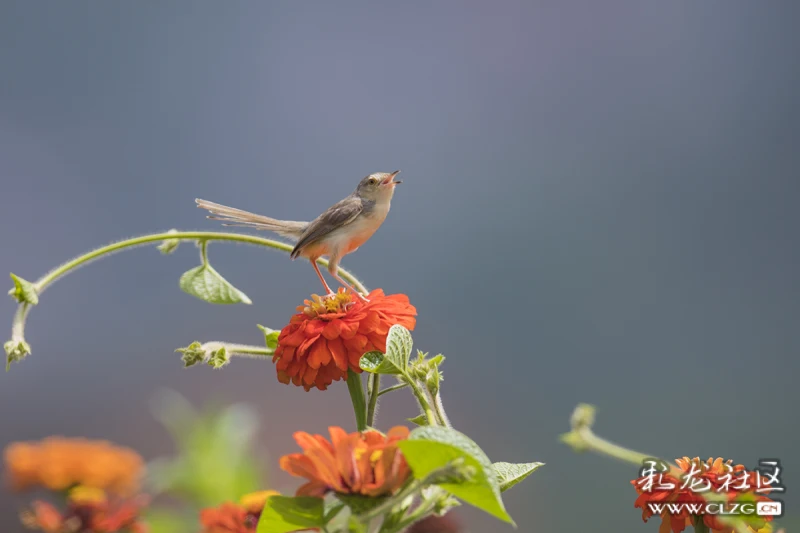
[(509, 474), (270, 336), (207, 284), (23, 291), (395, 360), (432, 448), (283, 514)]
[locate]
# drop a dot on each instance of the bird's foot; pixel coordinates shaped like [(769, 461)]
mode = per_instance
[(361, 298)]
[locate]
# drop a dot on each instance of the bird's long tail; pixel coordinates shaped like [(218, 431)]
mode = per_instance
[(236, 217)]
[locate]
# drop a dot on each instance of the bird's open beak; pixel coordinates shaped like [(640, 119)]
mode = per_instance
[(391, 176)]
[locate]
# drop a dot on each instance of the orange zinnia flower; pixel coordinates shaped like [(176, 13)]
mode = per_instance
[(88, 511), (365, 463), (329, 335), (717, 477), (59, 463), (236, 518)]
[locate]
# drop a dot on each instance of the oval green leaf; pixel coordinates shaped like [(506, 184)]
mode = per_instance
[(377, 363), (398, 352), (207, 284)]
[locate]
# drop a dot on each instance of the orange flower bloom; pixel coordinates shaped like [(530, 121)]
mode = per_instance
[(329, 335), (59, 463), (359, 463), (714, 478), (232, 518), (88, 511)]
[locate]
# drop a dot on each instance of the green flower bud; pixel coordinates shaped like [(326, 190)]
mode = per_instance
[(192, 354), (219, 358), (169, 245), (16, 350)]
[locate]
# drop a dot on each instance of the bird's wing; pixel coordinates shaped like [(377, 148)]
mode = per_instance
[(338, 215)]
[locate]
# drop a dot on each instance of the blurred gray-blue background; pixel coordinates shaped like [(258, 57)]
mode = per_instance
[(600, 205)]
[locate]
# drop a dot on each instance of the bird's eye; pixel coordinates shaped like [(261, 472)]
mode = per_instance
[(373, 181)]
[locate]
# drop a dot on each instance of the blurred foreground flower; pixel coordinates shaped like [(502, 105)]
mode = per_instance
[(330, 334), (698, 482), (59, 463), (366, 463), (236, 518), (88, 510)]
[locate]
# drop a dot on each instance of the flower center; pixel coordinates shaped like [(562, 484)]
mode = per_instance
[(83, 495), (330, 304)]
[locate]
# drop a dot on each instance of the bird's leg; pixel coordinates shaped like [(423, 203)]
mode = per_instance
[(324, 283), (333, 268)]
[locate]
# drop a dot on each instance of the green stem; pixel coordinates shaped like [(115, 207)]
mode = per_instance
[(18, 325), (582, 438), (356, 389), (373, 386), (65, 268), (204, 251), (439, 407), (243, 350), (393, 388), (422, 399), (418, 514), (410, 489)]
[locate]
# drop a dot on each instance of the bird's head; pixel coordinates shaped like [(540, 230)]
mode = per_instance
[(378, 186)]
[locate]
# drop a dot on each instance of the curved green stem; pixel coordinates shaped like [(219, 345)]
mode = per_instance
[(17, 348), (18, 325), (65, 268), (582, 438), (424, 404), (439, 407)]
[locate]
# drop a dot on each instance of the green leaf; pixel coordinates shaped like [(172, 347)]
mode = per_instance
[(378, 363), (270, 336), (207, 284), (509, 474), (420, 420), (283, 514), (433, 448), (23, 291), (395, 360)]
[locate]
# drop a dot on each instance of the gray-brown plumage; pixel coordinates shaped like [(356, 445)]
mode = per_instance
[(338, 231)]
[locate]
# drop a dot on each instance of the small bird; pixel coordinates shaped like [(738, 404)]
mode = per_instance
[(338, 231)]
